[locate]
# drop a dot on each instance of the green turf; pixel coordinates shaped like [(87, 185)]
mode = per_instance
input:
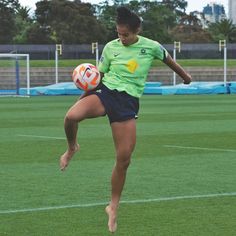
[(185, 147)]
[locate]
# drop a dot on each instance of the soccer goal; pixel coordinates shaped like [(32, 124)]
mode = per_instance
[(14, 74)]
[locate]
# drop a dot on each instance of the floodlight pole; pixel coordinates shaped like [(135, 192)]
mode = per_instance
[(222, 44), (58, 49), (95, 48), (177, 46)]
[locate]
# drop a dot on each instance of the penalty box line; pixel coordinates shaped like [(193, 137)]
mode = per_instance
[(200, 148), (40, 136), (122, 202), (166, 146)]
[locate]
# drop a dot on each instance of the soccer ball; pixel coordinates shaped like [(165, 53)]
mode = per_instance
[(86, 76)]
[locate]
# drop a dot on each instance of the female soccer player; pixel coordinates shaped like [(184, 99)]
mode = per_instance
[(124, 66)]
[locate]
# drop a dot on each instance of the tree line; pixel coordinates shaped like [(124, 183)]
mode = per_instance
[(76, 22)]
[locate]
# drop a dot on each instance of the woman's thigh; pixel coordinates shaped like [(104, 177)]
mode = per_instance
[(124, 136), (88, 107)]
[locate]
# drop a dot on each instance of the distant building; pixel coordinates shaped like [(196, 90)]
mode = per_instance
[(232, 10), (214, 12)]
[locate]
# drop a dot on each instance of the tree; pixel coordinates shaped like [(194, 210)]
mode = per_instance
[(23, 23), (224, 29), (189, 30), (107, 18), (157, 22), (190, 34), (178, 6), (7, 20), (69, 22), (157, 19), (38, 35), (190, 19)]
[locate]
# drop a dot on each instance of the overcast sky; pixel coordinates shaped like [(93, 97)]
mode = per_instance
[(192, 4)]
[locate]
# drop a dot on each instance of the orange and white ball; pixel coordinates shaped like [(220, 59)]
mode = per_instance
[(86, 76)]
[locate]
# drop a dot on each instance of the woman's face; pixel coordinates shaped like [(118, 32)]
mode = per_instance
[(126, 36)]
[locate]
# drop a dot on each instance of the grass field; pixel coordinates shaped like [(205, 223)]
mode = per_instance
[(181, 181)]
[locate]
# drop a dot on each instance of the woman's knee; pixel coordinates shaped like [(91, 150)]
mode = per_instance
[(70, 117), (123, 164), (123, 159)]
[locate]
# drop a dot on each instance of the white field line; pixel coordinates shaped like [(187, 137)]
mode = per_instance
[(201, 148), (38, 136), (167, 146), (122, 202)]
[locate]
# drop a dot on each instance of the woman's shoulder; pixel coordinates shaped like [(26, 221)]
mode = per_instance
[(148, 40), (112, 42)]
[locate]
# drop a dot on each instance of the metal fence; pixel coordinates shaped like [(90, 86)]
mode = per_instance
[(84, 51)]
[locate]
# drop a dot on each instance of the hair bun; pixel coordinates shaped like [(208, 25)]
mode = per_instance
[(128, 18), (123, 12)]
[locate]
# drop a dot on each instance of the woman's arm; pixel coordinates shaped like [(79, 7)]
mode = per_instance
[(178, 69)]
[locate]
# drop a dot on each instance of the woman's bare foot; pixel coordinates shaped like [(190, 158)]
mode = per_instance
[(112, 225), (66, 157)]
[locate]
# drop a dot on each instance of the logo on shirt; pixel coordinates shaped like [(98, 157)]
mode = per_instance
[(143, 51), (132, 65), (116, 54)]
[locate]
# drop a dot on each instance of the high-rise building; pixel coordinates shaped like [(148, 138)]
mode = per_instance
[(214, 12), (232, 10)]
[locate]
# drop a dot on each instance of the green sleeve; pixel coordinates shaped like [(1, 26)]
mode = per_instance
[(160, 52), (104, 62)]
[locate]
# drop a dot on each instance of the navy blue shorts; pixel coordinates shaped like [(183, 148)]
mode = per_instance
[(119, 106)]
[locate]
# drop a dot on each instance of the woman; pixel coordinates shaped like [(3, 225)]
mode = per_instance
[(124, 66)]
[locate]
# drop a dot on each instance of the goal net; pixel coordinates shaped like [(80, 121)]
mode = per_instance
[(14, 74)]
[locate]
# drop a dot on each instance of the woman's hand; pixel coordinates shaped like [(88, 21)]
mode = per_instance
[(187, 79)]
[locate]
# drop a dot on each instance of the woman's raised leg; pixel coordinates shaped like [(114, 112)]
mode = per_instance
[(88, 107)]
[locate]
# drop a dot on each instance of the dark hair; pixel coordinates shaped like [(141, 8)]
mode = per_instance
[(129, 18)]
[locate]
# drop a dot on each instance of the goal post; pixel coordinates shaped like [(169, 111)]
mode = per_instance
[(14, 73)]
